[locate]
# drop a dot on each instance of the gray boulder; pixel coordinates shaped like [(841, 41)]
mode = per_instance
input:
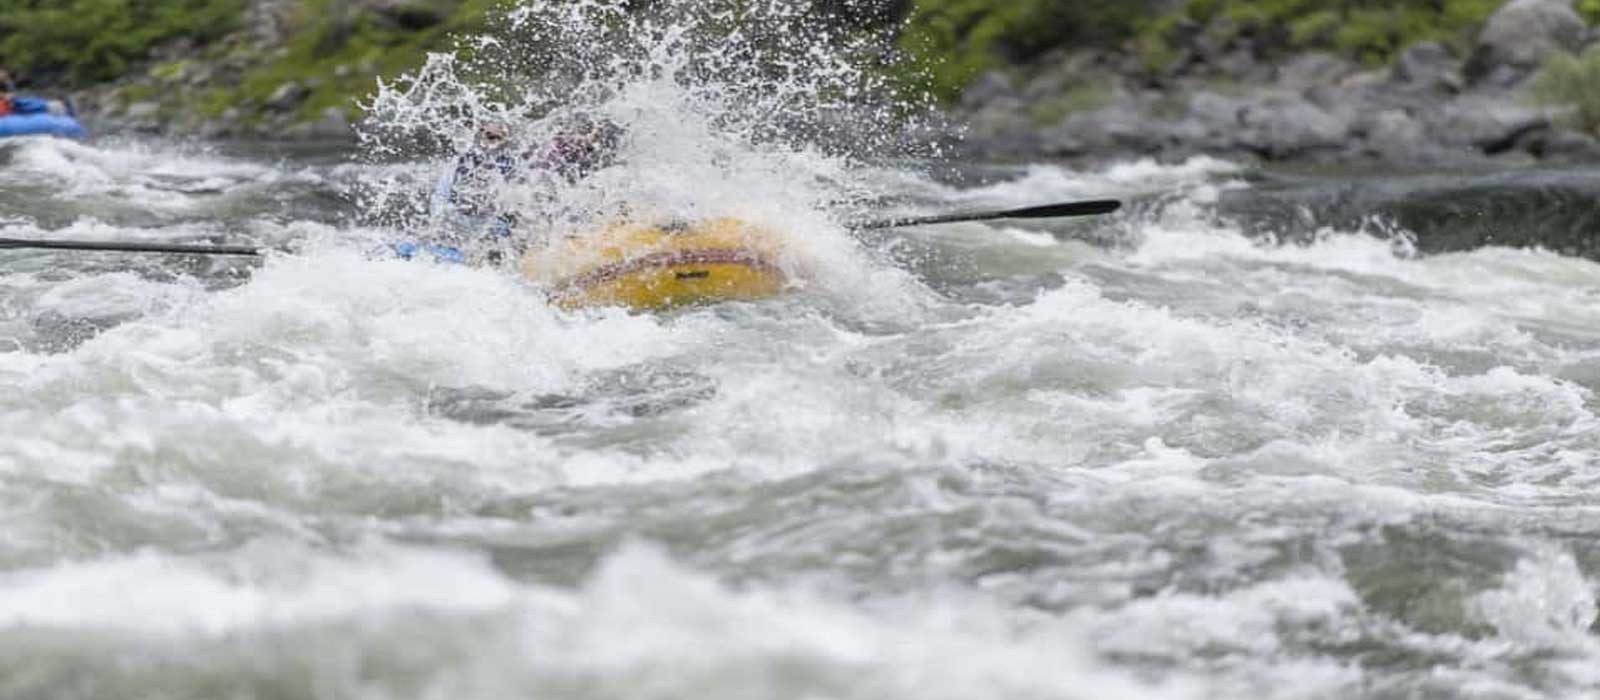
[(999, 116), (1485, 123), (140, 111), (270, 21), (1288, 126), (1215, 111), (1212, 122), (216, 128), (1002, 128), (144, 116), (1426, 67), (1391, 127), (1243, 65), (986, 90), (412, 15), (1394, 135), (334, 124), (1125, 126), (1564, 146), (1315, 69), (1520, 36), (287, 97)]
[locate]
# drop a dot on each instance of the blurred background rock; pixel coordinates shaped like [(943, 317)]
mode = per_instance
[(1395, 83)]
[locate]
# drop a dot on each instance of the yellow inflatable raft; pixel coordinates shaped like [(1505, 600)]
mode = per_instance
[(651, 268)]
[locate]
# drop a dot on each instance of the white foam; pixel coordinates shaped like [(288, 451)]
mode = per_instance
[(156, 177), (266, 586), (682, 632), (1545, 603)]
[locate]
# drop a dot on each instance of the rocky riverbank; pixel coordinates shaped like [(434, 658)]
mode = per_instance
[(291, 69), (1432, 106), (1168, 86)]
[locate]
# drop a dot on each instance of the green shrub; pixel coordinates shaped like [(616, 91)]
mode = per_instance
[(339, 46), (1314, 28), (955, 40), (1590, 10), (1573, 81), (90, 40), (1371, 31)]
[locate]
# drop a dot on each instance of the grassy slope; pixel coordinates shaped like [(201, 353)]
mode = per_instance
[(87, 41), (955, 40), (337, 53), (959, 39)]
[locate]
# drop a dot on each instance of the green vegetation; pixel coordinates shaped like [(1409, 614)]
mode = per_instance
[(1371, 31), (955, 40), (340, 46), (1589, 10), (1573, 81), (93, 40)]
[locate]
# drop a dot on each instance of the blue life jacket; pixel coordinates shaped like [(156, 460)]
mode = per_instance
[(408, 250), (446, 203), (29, 105)]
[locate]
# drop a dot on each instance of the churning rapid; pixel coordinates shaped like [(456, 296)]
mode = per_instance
[(1142, 456)]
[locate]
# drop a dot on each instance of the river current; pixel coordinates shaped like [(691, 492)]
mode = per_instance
[(1153, 455)]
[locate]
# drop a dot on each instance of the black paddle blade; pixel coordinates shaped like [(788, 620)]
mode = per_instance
[(1048, 211), (1060, 211), (116, 247)]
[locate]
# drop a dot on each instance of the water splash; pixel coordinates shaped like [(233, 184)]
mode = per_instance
[(764, 111), (1545, 603)]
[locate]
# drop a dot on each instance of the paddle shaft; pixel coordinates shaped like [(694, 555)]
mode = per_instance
[(119, 247), (1048, 211)]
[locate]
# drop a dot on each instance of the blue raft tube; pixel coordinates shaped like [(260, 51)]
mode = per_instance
[(32, 116)]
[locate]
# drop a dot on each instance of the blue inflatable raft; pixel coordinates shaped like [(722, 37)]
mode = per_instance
[(35, 124), (33, 116)]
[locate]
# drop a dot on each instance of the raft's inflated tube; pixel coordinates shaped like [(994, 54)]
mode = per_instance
[(41, 125), (651, 268)]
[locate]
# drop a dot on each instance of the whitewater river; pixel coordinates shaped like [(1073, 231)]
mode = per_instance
[(1140, 457)]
